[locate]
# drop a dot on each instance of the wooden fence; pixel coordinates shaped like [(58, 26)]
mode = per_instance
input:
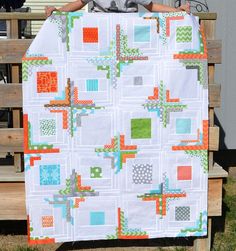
[(12, 49)]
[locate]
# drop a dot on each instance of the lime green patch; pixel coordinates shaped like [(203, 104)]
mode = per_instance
[(141, 128), (184, 34), (95, 172)]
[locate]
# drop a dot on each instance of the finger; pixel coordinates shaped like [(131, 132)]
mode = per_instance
[(188, 6), (48, 13)]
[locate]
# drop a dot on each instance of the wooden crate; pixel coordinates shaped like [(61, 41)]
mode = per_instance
[(12, 182)]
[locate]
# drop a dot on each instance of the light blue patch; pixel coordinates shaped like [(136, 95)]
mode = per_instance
[(183, 126), (141, 14), (97, 218), (141, 33), (92, 85), (62, 97), (156, 14), (49, 175), (70, 18)]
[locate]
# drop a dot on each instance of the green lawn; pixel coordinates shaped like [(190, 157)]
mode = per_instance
[(226, 240)]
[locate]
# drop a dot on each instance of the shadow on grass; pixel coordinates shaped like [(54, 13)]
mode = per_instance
[(224, 227), (13, 227), (163, 242), (20, 228)]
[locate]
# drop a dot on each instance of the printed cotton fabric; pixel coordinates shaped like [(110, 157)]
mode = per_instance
[(116, 127)]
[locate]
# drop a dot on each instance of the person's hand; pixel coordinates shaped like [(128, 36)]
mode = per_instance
[(49, 10), (185, 7)]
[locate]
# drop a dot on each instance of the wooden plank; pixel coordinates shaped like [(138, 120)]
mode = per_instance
[(11, 140), (214, 133), (209, 27), (215, 197), (206, 16), (12, 50), (214, 95), (22, 16), (19, 162), (42, 16), (217, 172), (13, 97), (209, 233), (13, 33), (200, 244), (8, 174), (214, 48), (18, 157), (12, 29), (211, 74), (204, 243), (211, 116), (15, 72), (12, 197), (210, 160), (13, 204)]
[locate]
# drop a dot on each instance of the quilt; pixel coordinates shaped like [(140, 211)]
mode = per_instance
[(116, 127)]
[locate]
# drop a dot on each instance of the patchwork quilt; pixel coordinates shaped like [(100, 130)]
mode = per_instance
[(116, 127)]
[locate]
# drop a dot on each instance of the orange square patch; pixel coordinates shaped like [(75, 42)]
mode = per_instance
[(46, 81), (184, 173), (90, 35), (47, 221)]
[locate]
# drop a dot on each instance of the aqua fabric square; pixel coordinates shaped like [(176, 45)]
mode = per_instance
[(97, 218), (49, 174), (92, 85), (183, 126), (141, 33)]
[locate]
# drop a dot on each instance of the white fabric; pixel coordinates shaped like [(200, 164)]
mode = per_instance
[(115, 127)]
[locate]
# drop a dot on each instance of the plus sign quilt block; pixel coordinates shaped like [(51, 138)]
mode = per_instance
[(116, 127)]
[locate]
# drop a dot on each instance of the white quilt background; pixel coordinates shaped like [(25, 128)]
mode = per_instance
[(116, 127)]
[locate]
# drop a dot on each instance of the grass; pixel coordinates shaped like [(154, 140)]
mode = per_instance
[(21, 248), (226, 240)]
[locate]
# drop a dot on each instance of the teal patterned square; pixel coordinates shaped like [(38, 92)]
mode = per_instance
[(47, 127), (184, 34), (49, 174), (142, 33)]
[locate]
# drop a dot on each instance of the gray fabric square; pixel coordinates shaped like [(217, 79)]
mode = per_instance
[(142, 174), (138, 80), (182, 213)]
